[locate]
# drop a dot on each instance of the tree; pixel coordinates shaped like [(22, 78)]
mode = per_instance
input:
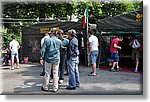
[(102, 10), (18, 15)]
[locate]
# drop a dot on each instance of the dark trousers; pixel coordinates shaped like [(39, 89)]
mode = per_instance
[(63, 65)]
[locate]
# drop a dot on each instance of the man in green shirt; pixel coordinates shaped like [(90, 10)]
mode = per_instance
[(50, 53)]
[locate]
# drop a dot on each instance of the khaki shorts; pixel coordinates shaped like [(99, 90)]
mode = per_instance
[(135, 54)]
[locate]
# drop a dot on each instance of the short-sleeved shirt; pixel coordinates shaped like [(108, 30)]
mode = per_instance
[(112, 48), (50, 50), (94, 40), (14, 46)]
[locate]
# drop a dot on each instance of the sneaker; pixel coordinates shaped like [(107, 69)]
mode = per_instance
[(70, 88), (135, 71), (60, 81), (51, 80), (12, 68), (42, 74), (66, 74), (44, 89), (55, 90), (118, 68), (77, 86), (17, 67)]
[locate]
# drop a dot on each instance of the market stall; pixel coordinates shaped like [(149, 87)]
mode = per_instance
[(124, 25), (31, 36)]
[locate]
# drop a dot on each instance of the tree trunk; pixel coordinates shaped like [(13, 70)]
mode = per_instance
[(70, 18), (42, 12)]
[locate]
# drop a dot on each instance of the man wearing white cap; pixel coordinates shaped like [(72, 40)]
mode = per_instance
[(73, 61)]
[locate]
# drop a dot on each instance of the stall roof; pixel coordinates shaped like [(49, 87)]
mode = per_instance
[(43, 27), (132, 21)]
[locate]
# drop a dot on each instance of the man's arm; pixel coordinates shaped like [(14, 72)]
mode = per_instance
[(90, 47), (118, 47), (97, 44), (42, 52), (9, 47), (18, 46), (130, 43)]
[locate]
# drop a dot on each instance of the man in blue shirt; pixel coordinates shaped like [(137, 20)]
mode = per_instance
[(73, 61), (50, 53)]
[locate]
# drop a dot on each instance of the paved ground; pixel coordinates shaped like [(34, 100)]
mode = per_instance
[(27, 80)]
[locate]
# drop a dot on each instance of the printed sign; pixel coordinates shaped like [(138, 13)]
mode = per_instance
[(45, 30), (139, 17)]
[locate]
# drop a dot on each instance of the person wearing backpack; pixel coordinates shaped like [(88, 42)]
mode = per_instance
[(135, 44)]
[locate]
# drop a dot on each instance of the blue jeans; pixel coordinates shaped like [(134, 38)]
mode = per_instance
[(62, 66), (73, 72)]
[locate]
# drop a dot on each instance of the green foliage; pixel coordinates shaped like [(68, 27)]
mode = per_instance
[(7, 38), (102, 10), (35, 11)]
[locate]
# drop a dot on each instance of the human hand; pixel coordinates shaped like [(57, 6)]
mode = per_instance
[(41, 61)]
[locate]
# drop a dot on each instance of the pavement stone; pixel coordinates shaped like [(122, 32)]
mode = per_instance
[(27, 81)]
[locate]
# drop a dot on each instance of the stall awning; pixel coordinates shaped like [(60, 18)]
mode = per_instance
[(131, 22), (121, 33), (43, 27)]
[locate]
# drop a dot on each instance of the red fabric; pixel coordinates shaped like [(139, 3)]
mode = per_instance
[(123, 69), (83, 22), (114, 41)]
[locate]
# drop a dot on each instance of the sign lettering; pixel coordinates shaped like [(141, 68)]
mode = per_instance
[(139, 17)]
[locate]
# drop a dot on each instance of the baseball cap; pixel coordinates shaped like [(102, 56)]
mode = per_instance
[(72, 32), (60, 31)]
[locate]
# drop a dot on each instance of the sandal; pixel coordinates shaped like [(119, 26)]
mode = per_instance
[(92, 74), (112, 70)]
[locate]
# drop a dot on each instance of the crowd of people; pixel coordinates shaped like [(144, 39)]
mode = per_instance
[(57, 53), (60, 54)]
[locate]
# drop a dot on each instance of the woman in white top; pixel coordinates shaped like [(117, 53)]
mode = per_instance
[(14, 46)]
